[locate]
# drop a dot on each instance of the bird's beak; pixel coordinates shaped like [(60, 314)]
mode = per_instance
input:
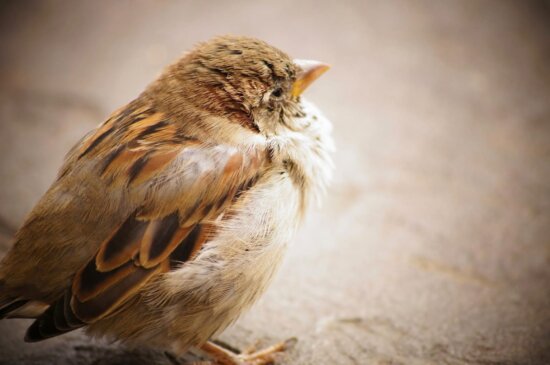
[(309, 72)]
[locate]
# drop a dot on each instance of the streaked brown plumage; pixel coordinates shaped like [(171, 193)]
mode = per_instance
[(171, 217)]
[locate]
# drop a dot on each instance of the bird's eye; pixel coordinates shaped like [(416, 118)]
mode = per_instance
[(277, 93)]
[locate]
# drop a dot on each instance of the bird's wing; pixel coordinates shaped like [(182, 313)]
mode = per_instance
[(176, 185)]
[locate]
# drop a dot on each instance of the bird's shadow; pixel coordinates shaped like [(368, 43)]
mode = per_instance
[(76, 349)]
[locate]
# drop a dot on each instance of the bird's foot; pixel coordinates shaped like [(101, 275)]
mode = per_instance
[(265, 356)]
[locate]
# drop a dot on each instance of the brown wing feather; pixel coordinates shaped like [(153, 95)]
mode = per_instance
[(101, 286), (109, 299), (151, 164), (122, 245), (162, 238), (90, 282)]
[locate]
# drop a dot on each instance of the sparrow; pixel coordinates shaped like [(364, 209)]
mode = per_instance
[(170, 218)]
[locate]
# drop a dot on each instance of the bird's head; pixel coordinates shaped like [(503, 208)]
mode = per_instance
[(242, 79)]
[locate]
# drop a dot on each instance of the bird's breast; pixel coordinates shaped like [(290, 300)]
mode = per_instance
[(205, 295)]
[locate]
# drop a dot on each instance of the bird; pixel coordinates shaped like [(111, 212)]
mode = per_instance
[(170, 218)]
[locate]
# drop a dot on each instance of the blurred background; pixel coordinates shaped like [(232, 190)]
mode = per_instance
[(433, 245)]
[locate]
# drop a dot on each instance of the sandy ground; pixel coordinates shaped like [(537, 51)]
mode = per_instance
[(433, 245)]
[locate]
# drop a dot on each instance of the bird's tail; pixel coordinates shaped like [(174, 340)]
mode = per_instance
[(9, 305)]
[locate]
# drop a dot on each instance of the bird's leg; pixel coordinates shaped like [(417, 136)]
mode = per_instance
[(268, 354), (219, 354), (251, 348), (262, 357)]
